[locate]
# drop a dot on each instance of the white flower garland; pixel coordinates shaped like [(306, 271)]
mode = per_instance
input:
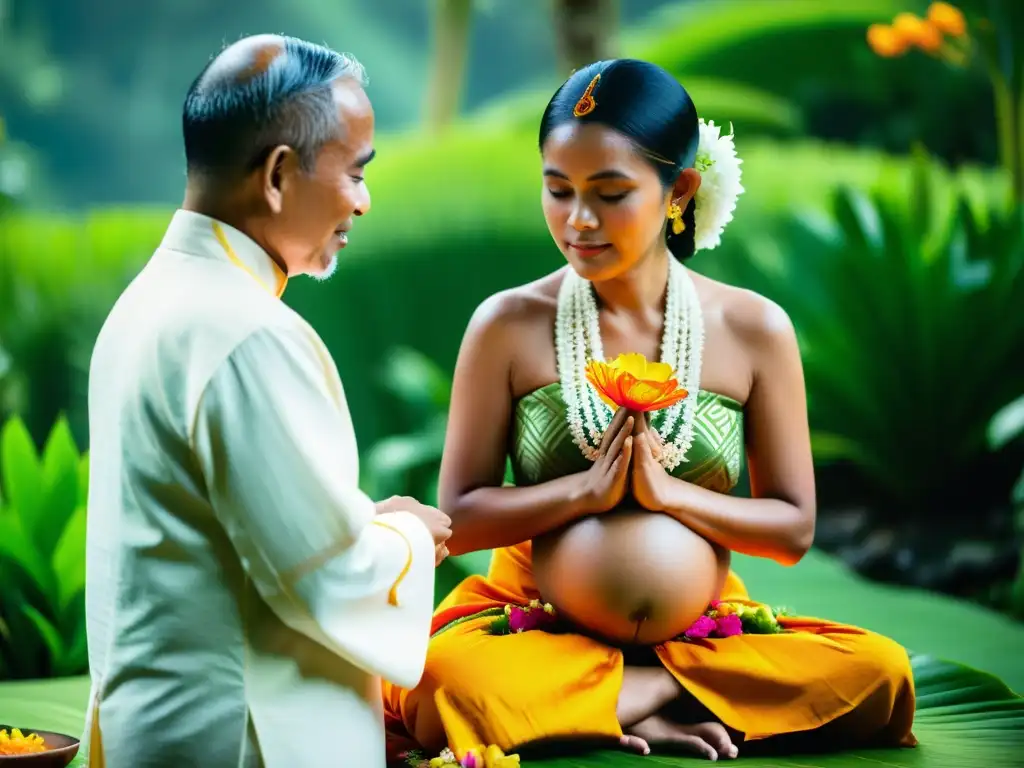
[(578, 339), (720, 186)]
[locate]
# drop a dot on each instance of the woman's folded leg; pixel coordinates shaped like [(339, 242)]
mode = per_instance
[(818, 682), (510, 690)]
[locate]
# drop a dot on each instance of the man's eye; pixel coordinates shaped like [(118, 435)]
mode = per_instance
[(559, 193)]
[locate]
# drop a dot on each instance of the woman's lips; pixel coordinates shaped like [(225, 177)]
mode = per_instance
[(589, 250)]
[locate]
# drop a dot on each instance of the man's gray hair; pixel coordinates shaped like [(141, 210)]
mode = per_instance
[(232, 120)]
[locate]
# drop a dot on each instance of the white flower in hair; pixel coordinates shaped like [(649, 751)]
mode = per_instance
[(720, 185)]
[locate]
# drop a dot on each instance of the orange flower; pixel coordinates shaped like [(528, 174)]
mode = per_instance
[(886, 41), (631, 382), (916, 31), (947, 19), (16, 743)]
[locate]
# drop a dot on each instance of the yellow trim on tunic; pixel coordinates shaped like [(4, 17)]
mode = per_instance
[(97, 759), (393, 593), (282, 278)]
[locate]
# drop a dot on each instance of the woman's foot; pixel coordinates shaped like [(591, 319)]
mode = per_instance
[(710, 739)]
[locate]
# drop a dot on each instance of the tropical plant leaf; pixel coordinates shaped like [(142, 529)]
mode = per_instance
[(900, 287), (25, 653), (1007, 425), (75, 660), (417, 381), (21, 471), (83, 480), (60, 487), (391, 462), (22, 561), (69, 558), (47, 633)]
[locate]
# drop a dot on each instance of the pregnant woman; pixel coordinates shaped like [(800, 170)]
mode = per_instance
[(621, 520)]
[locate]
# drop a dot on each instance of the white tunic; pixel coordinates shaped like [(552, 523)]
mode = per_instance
[(243, 599)]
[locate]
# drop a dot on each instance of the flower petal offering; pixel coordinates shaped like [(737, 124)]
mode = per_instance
[(631, 381), (479, 757), (728, 619), (17, 743)]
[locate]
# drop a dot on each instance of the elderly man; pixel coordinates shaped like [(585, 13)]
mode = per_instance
[(243, 596)]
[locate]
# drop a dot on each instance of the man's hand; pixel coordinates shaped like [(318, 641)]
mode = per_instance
[(437, 522)]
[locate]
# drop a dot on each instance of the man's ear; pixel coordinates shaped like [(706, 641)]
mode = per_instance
[(277, 168), (686, 187)]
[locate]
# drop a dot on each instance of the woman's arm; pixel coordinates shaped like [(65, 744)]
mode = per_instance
[(484, 514), (778, 521)]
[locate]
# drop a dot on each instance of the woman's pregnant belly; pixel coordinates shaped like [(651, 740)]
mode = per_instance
[(630, 576)]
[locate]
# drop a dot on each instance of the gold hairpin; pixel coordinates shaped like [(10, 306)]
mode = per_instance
[(586, 104)]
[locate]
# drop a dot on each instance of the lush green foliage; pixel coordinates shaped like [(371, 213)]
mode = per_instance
[(907, 307), (42, 554), (814, 57), (786, 67), (59, 275), (407, 463)]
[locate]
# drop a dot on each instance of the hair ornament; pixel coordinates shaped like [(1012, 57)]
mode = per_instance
[(720, 186), (586, 104)]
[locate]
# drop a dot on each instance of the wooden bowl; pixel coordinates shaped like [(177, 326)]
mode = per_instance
[(61, 750)]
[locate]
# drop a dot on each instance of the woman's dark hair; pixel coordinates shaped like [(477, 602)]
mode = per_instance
[(646, 104)]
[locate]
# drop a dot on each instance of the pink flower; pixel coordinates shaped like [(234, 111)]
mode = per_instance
[(472, 760), (518, 619), (701, 628), (729, 626), (525, 619)]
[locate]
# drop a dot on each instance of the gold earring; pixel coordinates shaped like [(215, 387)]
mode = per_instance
[(675, 215)]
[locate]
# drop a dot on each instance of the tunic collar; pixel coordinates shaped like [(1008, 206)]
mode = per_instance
[(199, 234)]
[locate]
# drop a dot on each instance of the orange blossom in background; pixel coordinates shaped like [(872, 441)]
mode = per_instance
[(948, 35), (929, 34)]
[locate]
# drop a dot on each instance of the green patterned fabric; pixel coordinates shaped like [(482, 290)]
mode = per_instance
[(542, 448)]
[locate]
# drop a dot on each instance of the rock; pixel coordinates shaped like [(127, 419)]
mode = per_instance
[(837, 528), (953, 561)]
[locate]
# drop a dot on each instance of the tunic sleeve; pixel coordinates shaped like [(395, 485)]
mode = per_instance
[(274, 441)]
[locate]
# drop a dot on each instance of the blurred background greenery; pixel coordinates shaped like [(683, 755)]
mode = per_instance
[(883, 210)]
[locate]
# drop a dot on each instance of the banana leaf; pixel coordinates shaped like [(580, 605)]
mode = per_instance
[(965, 718)]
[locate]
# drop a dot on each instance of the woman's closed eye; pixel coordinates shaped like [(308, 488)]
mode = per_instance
[(615, 197)]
